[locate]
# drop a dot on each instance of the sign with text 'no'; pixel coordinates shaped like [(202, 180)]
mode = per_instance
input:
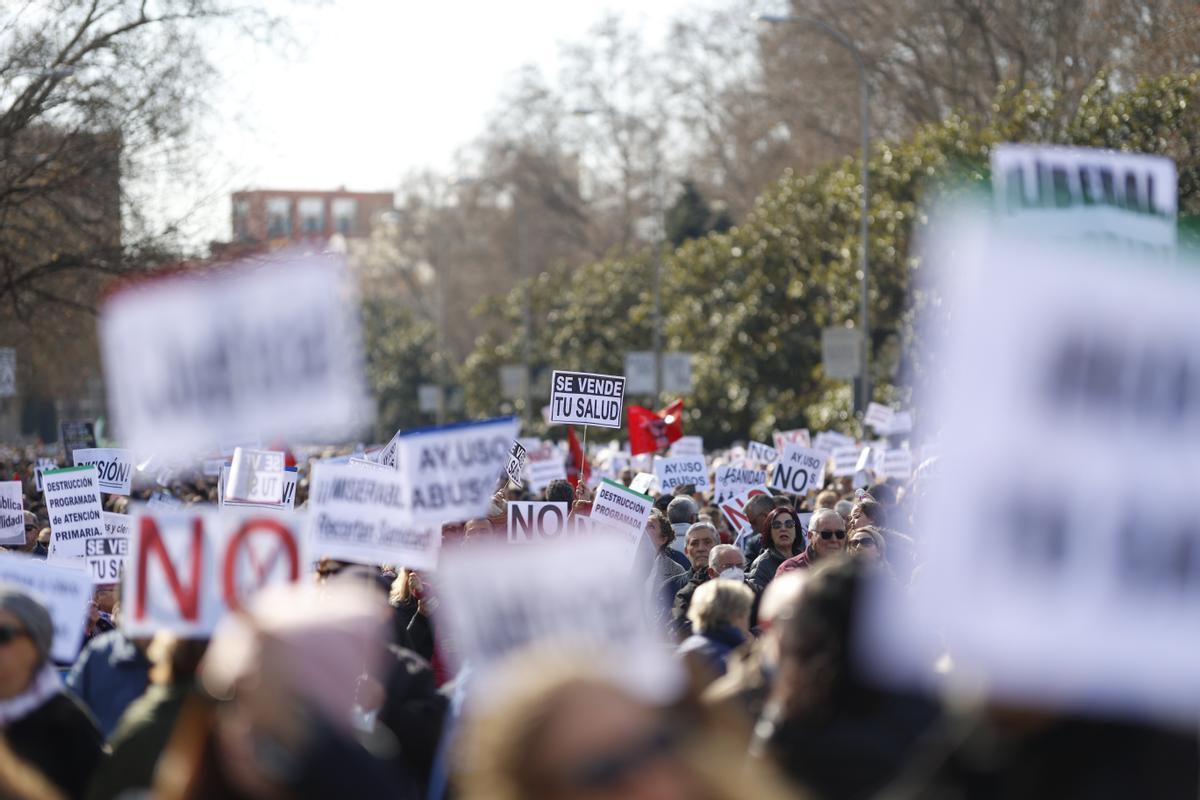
[(582, 398), (188, 358), (186, 570)]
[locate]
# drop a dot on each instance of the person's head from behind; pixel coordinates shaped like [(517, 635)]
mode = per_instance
[(627, 476), (682, 510), (726, 561), (782, 530), (721, 604), (826, 499), (559, 491), (826, 533), (26, 633), (700, 539), (756, 510), (662, 501), (779, 601), (844, 508), (886, 493)]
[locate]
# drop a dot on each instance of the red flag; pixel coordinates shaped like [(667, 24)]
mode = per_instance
[(650, 432), (579, 464)]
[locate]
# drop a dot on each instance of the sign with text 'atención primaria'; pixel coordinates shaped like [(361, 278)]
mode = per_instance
[(269, 346), (583, 398)]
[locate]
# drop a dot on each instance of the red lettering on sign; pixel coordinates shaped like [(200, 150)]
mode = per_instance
[(187, 597), (240, 539)]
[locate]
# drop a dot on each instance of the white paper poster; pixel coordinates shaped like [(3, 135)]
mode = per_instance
[(289, 494), (760, 453), (517, 460), (687, 446), (800, 470), (73, 503), (735, 479), (532, 522), (114, 467), (674, 472), (12, 513), (65, 592), (582, 398), (105, 556), (256, 476), (621, 511)]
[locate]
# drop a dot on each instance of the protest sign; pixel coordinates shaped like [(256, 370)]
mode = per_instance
[(732, 510), (800, 470), (364, 516), (878, 416), (642, 482), (901, 423), (576, 594), (622, 511), (530, 522), (895, 463), (1077, 581), (673, 472), (844, 461), (798, 436), (828, 441), (760, 453), (115, 467), (1087, 193), (43, 464), (545, 464), (77, 435), (735, 479), (117, 524), (289, 494), (687, 446), (161, 501), (189, 358), (517, 460), (367, 463), (187, 569), (73, 503), (12, 513), (583, 398), (104, 556), (65, 592), (256, 476), (450, 471)]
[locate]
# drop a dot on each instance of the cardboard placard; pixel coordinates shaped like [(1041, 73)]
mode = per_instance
[(760, 453), (686, 471), (517, 460), (531, 522), (732, 510), (584, 398), (256, 476), (623, 512), (289, 494), (12, 513), (735, 479), (105, 556), (798, 436), (114, 467), (65, 592), (799, 471), (73, 503)]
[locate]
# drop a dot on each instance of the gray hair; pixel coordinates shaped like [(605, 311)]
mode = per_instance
[(696, 526), (823, 513), (844, 507), (681, 509), (716, 552), (719, 602)]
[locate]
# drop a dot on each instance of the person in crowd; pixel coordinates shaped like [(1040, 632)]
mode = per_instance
[(826, 498), (728, 562), (562, 730), (662, 501), (867, 512), (701, 539), (413, 601), (46, 727), (826, 537), (110, 673), (144, 729), (867, 543), (783, 540), (682, 513), (31, 536), (478, 530), (560, 490), (757, 509), (662, 535), (627, 476), (823, 724), (720, 617)]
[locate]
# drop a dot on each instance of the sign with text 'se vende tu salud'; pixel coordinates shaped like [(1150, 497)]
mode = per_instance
[(583, 398)]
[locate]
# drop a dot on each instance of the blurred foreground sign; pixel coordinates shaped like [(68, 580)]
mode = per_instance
[(269, 347), (186, 570), (65, 592), (1075, 580)]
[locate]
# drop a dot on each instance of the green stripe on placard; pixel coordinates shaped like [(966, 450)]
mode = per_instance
[(48, 472), (622, 488)]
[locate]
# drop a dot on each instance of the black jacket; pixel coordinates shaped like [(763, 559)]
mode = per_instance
[(680, 625), (61, 740)]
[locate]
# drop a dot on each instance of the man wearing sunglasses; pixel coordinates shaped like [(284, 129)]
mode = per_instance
[(826, 537)]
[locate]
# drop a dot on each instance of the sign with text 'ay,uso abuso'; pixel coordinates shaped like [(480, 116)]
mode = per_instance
[(582, 398)]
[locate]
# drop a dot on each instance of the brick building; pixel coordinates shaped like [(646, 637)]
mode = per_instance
[(279, 215)]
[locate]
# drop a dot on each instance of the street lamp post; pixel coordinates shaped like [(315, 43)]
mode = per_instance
[(864, 99)]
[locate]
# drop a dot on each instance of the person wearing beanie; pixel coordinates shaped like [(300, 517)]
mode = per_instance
[(43, 724)]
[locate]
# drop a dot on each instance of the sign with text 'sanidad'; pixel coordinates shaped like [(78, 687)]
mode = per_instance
[(583, 398)]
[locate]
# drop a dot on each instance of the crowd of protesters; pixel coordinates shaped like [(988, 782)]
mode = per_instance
[(282, 703)]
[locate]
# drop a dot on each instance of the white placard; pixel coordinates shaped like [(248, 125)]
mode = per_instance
[(584, 398), (256, 476), (73, 503), (545, 464), (760, 453), (800, 470), (185, 570), (687, 446), (450, 471), (105, 556), (12, 513), (896, 463), (517, 460), (828, 441), (188, 358), (674, 472), (879, 417), (118, 524), (844, 460), (114, 466), (366, 463), (364, 516), (642, 483), (577, 595), (622, 511), (732, 511), (735, 479), (531, 522), (289, 494), (65, 592), (798, 436), (43, 464), (902, 422)]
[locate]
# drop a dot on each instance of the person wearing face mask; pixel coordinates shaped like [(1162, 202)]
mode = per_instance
[(826, 537), (782, 540), (728, 562), (720, 616)]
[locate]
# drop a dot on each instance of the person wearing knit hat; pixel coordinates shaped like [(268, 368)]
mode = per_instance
[(44, 725)]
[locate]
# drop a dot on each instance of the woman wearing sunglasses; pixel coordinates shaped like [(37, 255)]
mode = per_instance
[(826, 537), (783, 537)]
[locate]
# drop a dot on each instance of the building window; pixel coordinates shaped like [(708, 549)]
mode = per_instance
[(241, 219), (279, 217), (312, 216), (345, 210)]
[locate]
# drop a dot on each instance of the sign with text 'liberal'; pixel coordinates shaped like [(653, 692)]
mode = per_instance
[(582, 398), (12, 513), (621, 511), (363, 515), (65, 592), (185, 570), (73, 503), (450, 471), (1069, 584), (799, 470), (686, 471), (189, 358), (115, 467)]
